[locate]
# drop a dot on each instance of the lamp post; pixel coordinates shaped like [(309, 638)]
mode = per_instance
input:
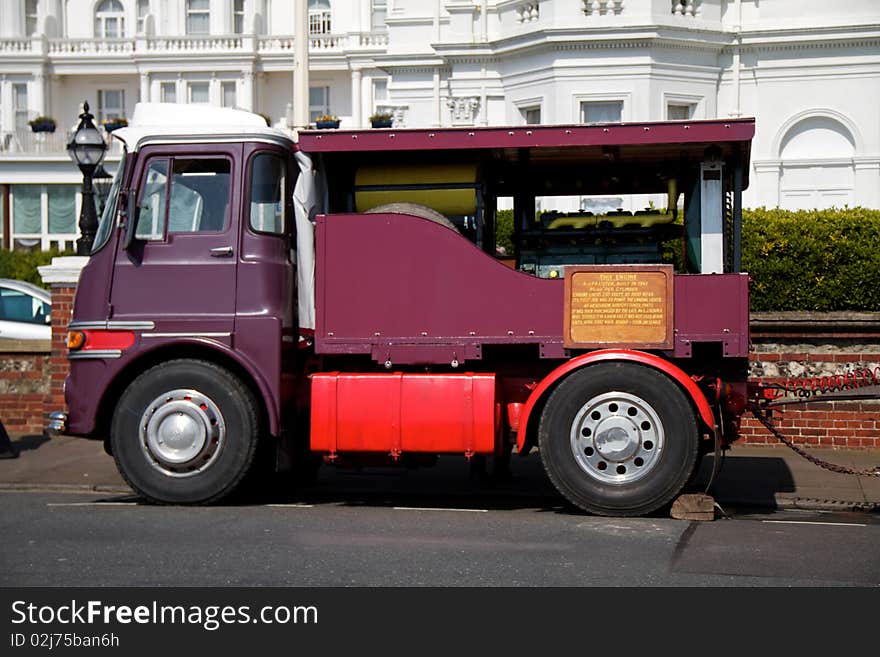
[(101, 180), (87, 149)]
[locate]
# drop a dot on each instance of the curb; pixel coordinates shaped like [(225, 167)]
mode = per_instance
[(827, 505), (64, 488), (803, 503)]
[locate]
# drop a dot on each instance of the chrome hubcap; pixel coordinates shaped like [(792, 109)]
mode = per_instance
[(617, 438), (182, 432)]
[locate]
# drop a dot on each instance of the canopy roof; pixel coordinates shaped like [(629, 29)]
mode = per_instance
[(617, 157), (627, 155)]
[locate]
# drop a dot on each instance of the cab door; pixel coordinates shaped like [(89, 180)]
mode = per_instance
[(180, 269), (266, 319)]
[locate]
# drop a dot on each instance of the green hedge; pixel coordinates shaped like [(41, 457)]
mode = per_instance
[(504, 230), (813, 259), (22, 265)]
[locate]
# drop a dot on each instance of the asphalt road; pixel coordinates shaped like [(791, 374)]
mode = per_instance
[(358, 539)]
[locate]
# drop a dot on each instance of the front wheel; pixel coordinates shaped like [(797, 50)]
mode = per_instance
[(185, 432), (618, 439)]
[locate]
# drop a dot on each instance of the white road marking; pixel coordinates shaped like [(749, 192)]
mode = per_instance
[(291, 506), (808, 522), (92, 504), (428, 508)]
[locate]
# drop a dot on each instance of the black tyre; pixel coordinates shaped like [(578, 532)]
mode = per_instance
[(185, 432), (618, 439)]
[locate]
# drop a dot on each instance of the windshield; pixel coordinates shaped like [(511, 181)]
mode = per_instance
[(105, 224)]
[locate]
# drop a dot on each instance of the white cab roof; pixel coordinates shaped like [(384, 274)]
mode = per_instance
[(173, 121)]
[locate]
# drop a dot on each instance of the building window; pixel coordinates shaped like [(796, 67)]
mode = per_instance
[(30, 17), (601, 111), (111, 104), (378, 13), (680, 111), (62, 209), (228, 94), (20, 106), (238, 16), (319, 102), (531, 115), (43, 216), (380, 90), (110, 20), (198, 16), (199, 93), (143, 10), (26, 213), (319, 17), (168, 92)]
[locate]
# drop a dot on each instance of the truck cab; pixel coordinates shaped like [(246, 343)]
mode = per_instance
[(363, 294)]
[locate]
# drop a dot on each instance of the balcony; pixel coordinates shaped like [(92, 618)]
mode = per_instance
[(65, 50), (23, 142)]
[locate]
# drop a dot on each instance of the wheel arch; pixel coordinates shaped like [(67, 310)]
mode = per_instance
[(531, 412), (190, 350)]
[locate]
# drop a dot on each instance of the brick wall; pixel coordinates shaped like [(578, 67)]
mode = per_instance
[(32, 372), (62, 310), (851, 425), (24, 384), (816, 348)]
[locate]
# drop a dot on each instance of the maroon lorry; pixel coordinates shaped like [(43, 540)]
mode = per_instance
[(358, 295)]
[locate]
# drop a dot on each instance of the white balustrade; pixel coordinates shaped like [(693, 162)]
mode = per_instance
[(13, 46), (276, 44), (528, 12), (687, 7), (229, 43), (25, 141), (602, 7), (67, 47), (325, 42)]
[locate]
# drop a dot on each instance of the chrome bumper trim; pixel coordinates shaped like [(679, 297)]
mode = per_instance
[(111, 325), (94, 354), (57, 424), (227, 334)]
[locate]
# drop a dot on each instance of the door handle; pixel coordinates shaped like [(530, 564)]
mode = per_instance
[(221, 252)]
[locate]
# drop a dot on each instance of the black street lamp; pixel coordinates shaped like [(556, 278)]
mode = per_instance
[(87, 149), (102, 181)]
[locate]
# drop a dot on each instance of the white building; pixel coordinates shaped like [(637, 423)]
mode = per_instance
[(808, 70)]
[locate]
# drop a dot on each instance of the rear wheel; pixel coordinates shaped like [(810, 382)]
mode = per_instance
[(618, 439), (185, 432)]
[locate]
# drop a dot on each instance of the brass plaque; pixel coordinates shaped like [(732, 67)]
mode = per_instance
[(618, 306)]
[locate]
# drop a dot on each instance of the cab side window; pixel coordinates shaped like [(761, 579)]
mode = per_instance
[(268, 193), (194, 198), (151, 209)]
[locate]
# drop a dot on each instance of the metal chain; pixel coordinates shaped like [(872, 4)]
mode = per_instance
[(807, 387), (762, 417)]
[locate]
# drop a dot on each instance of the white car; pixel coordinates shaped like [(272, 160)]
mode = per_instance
[(24, 311)]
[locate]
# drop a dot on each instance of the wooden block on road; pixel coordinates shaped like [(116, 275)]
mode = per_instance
[(694, 506)]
